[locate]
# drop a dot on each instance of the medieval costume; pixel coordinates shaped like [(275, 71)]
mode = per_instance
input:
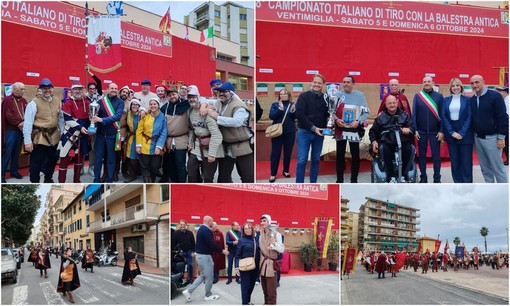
[(32, 257), (380, 266), (68, 279), (43, 262), (270, 244), (131, 268), (445, 263), (434, 262), (218, 258), (88, 260), (424, 263)]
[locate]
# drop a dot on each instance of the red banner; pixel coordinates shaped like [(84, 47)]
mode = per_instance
[(349, 263), (437, 246), (69, 19), (312, 191), (390, 15), (321, 235), (400, 260)]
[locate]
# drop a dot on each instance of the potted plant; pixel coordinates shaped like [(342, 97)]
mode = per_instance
[(333, 252), (309, 253)]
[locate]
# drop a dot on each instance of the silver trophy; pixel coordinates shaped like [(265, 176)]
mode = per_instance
[(93, 109), (331, 102)]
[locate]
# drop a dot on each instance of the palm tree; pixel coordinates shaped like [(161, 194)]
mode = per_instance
[(456, 241), (484, 231)]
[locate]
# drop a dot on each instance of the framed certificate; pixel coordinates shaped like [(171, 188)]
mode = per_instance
[(349, 115)]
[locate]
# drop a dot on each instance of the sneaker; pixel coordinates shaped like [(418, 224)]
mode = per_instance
[(91, 171), (393, 180), (41, 174), (257, 283), (187, 295), (212, 297)]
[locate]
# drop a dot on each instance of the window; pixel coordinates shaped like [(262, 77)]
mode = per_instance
[(239, 82), (74, 210), (79, 205), (87, 220), (242, 17), (107, 216), (217, 14), (165, 192), (224, 58)]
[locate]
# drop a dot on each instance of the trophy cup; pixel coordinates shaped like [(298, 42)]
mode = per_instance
[(93, 108), (331, 120)]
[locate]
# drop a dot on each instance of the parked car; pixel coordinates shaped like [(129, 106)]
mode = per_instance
[(9, 266), (17, 255)]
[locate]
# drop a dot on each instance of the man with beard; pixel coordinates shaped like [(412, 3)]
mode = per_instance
[(177, 118), (111, 109), (233, 119), (183, 92), (184, 239), (13, 111), (88, 259), (41, 132), (124, 94), (74, 142)]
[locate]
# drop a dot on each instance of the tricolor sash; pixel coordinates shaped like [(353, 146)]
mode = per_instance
[(233, 235), (430, 103), (110, 111)]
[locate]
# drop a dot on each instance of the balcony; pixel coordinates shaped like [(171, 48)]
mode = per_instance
[(112, 194), (202, 19), (132, 215)]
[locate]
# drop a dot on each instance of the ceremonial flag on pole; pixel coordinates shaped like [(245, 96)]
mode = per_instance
[(447, 246), (165, 23), (437, 246), (210, 32), (103, 37)]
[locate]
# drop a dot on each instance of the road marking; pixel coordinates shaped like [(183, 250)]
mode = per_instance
[(157, 276), (130, 288), (50, 293), (92, 284), (20, 295), (153, 279), (86, 301), (137, 281)]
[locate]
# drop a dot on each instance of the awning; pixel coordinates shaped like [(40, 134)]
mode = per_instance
[(90, 189)]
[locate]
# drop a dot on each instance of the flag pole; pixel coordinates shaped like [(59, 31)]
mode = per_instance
[(87, 43)]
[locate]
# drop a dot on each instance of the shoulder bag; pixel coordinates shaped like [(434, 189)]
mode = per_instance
[(248, 263), (275, 130)]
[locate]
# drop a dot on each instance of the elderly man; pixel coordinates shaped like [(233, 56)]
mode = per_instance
[(41, 132), (490, 124), (233, 118), (382, 133), (503, 90), (13, 112), (403, 103), (204, 249), (145, 95), (233, 236), (215, 84), (74, 142), (111, 108), (427, 124)]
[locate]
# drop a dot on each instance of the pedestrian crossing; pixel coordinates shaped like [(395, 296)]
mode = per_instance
[(95, 289)]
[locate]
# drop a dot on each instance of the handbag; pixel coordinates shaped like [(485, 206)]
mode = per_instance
[(275, 130), (248, 263)]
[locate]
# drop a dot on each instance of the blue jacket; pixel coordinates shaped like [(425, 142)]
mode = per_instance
[(245, 249), (464, 123), (230, 241), (106, 127), (423, 118), (205, 241), (489, 117), (276, 114)]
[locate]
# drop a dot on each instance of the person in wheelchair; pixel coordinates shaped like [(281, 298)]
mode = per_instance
[(383, 138)]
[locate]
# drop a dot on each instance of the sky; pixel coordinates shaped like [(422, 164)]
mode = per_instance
[(178, 9), (447, 210), (42, 192)]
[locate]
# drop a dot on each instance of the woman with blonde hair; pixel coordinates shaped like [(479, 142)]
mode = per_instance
[(458, 134)]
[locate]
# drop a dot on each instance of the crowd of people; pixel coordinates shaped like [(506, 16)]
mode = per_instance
[(382, 263), (254, 254), (173, 133), (462, 121), (68, 277)]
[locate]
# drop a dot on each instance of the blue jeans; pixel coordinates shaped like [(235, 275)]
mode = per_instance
[(105, 148), (230, 265), (305, 139), (189, 258), (177, 166), (13, 142)]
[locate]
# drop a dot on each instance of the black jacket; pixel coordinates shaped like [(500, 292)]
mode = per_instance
[(312, 110), (383, 126)]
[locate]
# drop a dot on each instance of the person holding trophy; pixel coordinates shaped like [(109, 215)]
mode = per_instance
[(351, 111), (312, 112), (74, 141)]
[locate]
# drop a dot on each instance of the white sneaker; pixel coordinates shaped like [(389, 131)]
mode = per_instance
[(187, 295), (393, 180), (212, 297), (41, 174), (257, 283), (91, 171)]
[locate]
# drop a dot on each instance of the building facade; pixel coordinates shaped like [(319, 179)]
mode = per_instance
[(74, 216), (131, 214), (344, 225), (352, 235), (386, 226)]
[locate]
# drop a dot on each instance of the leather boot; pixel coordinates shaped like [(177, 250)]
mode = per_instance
[(77, 173), (62, 174), (70, 296)]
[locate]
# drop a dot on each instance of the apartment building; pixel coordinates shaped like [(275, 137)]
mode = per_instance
[(344, 226), (352, 233)]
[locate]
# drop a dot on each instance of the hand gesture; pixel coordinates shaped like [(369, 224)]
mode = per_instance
[(318, 131)]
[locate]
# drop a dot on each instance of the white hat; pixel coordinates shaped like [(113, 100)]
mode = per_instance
[(267, 217), (155, 99), (135, 101), (76, 86), (193, 91), (125, 87)]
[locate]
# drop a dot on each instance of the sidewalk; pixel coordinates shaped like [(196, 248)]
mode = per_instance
[(485, 280), (148, 268)]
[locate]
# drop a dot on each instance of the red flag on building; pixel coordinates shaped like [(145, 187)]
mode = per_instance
[(165, 23), (104, 43), (202, 36)]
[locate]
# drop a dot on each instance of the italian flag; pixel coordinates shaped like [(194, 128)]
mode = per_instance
[(207, 33), (262, 89), (104, 43), (278, 87), (297, 88)]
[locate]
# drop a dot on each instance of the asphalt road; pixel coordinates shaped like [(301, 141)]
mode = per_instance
[(408, 289), (101, 287)]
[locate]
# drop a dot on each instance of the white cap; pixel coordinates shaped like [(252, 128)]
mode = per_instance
[(193, 91)]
